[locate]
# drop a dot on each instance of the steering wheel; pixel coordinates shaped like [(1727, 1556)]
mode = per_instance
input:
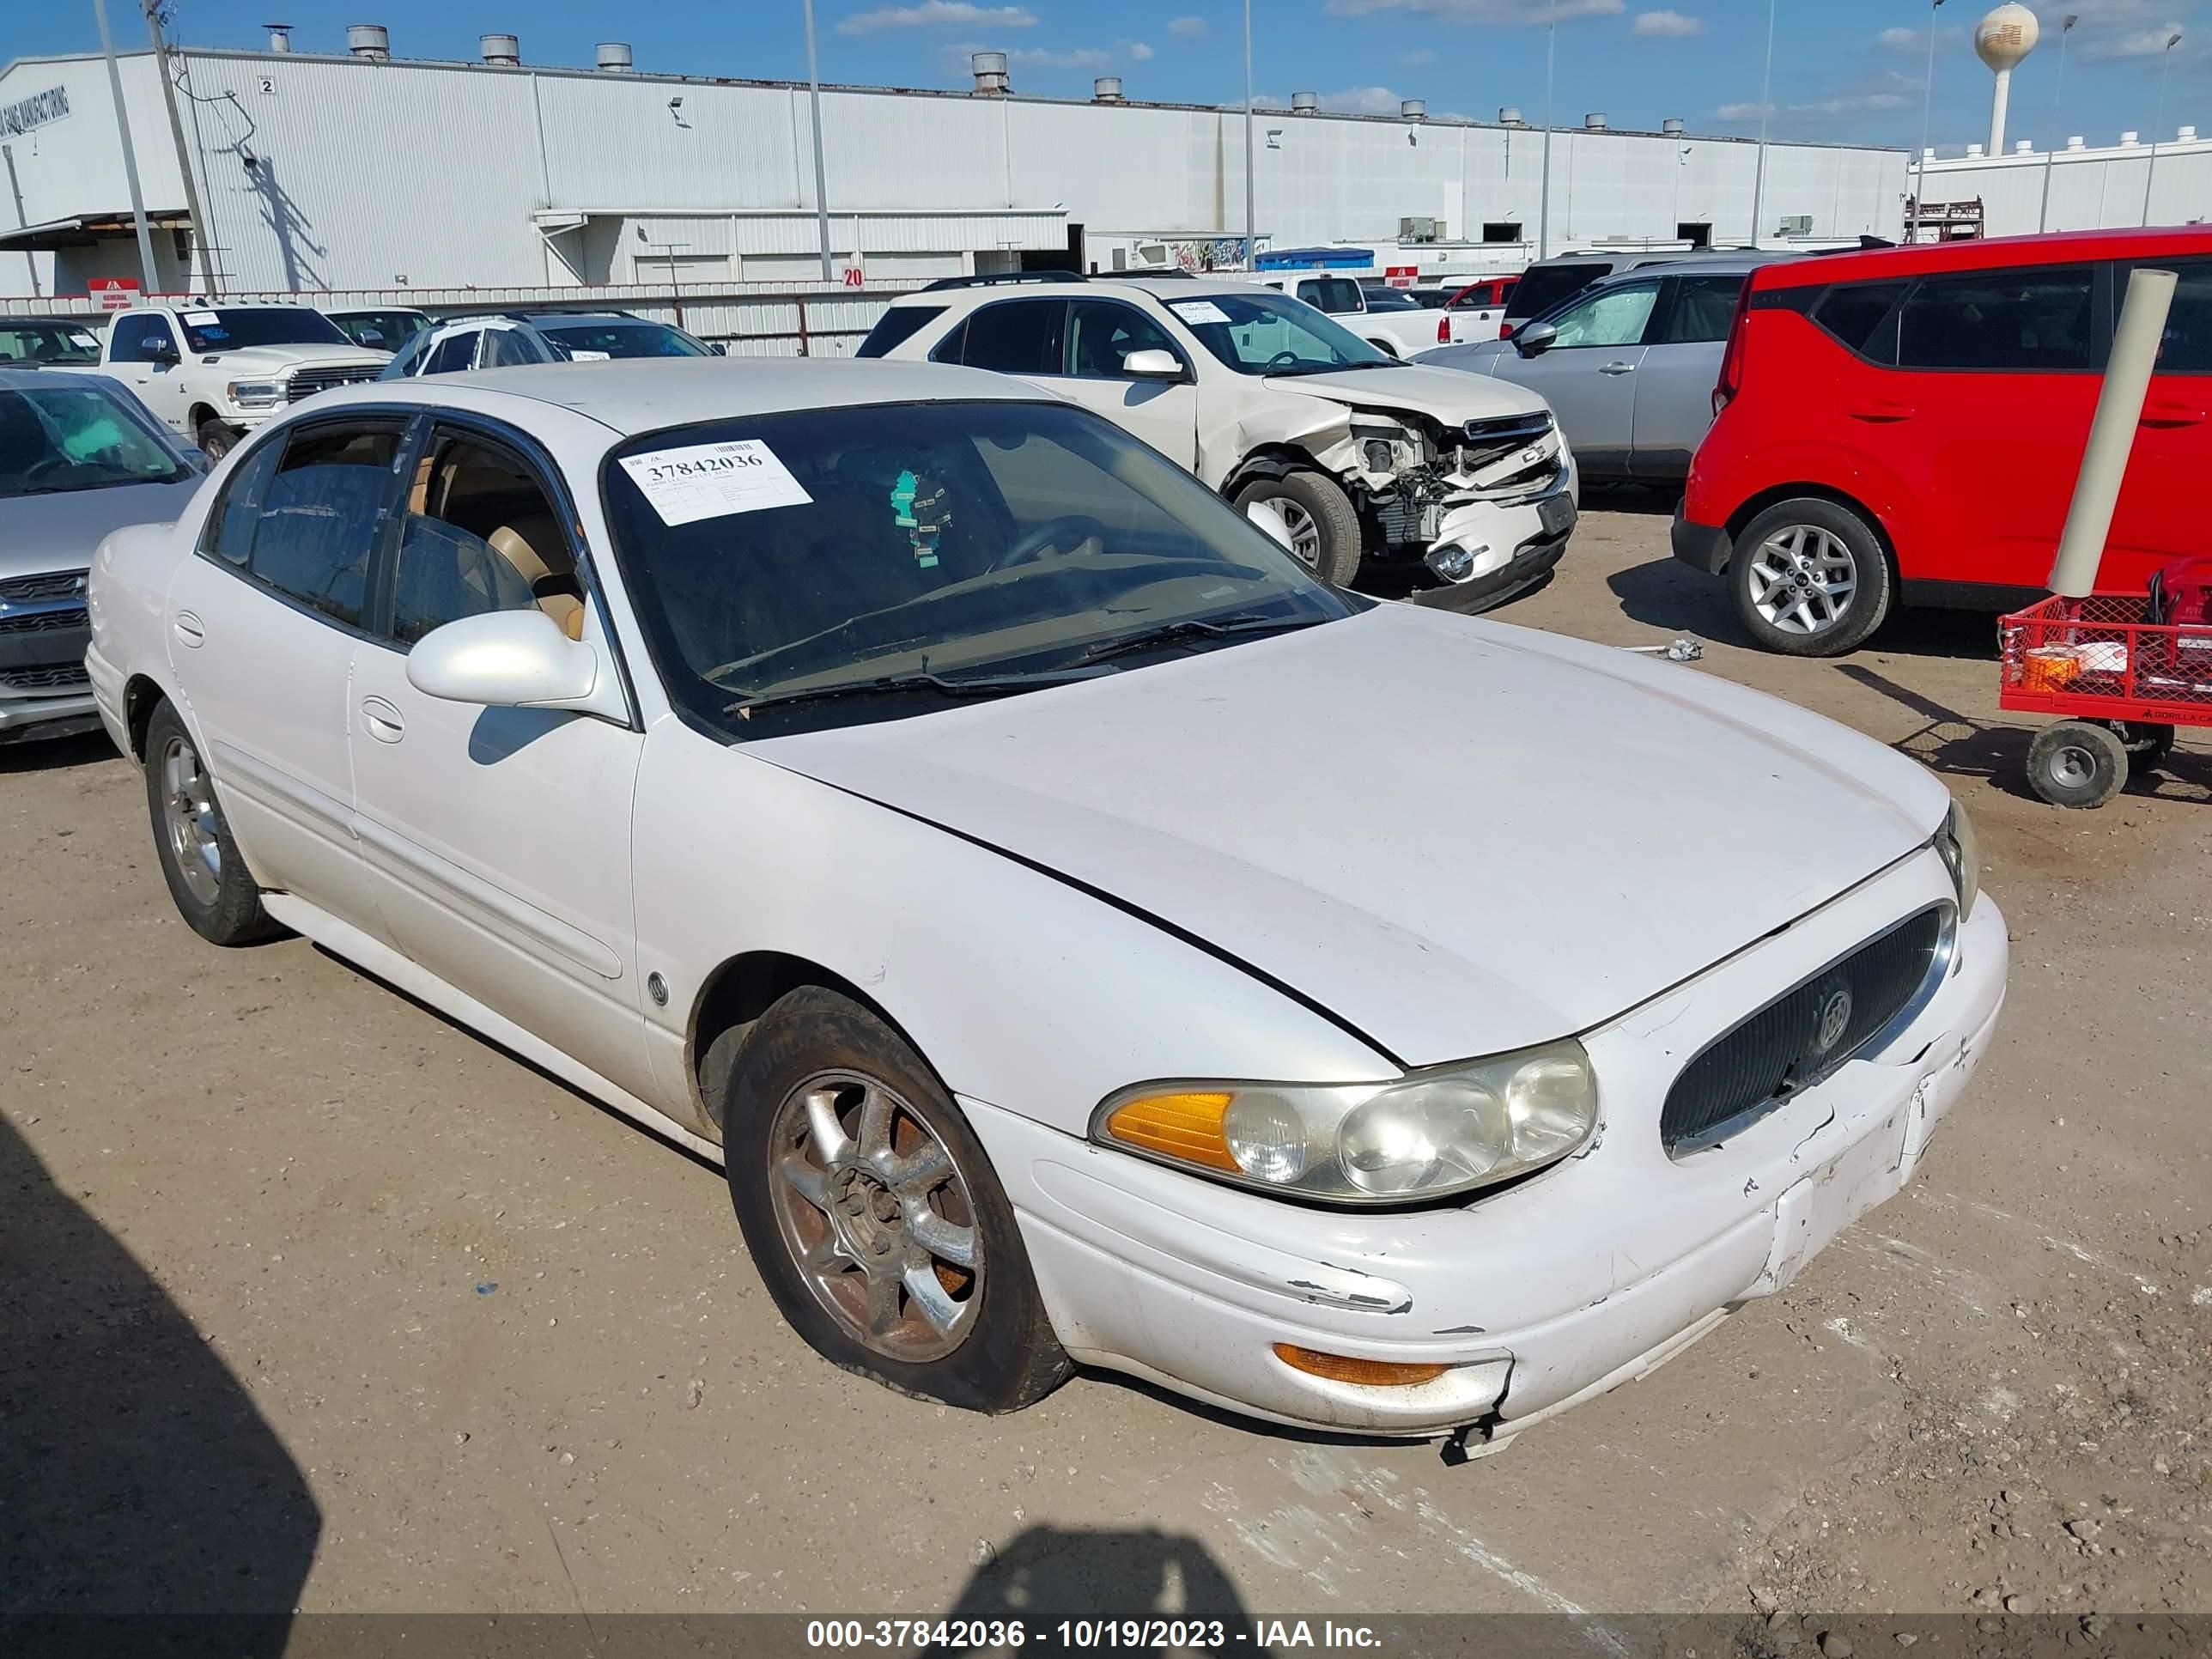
[(44, 464), (1070, 530), (1283, 359)]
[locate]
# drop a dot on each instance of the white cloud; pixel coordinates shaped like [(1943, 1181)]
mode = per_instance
[(1485, 11), (1667, 25), (1187, 28), (1090, 58), (1362, 100), (1139, 52), (1916, 41), (2135, 43), (1419, 57), (936, 13), (1853, 103)]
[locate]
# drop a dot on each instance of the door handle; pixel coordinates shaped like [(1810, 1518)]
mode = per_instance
[(188, 630), (1883, 410), (2168, 414), (1617, 368), (383, 719)]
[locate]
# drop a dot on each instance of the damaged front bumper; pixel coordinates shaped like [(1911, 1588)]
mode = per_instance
[(1586, 1276)]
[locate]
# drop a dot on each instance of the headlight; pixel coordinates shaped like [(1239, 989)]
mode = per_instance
[(254, 394), (1955, 843), (1450, 1130)]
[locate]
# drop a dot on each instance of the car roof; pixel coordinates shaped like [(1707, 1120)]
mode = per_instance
[(628, 396), (541, 317), (22, 380), (1715, 264), (1991, 253), (1116, 287)]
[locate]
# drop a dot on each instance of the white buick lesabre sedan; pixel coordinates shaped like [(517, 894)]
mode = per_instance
[(1082, 935)]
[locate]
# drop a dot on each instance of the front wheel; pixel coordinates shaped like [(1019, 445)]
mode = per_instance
[(2077, 764), (217, 440), (874, 1217), (1810, 579), (1313, 516), (213, 889)]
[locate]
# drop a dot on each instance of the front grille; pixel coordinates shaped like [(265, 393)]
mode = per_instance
[(1504, 429), (44, 622), (65, 677), (1802, 1036), (50, 584), (305, 382)]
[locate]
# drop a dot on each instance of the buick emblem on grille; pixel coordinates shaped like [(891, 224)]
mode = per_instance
[(1835, 1019)]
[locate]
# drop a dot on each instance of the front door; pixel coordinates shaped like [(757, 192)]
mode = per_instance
[(1100, 335), (159, 381), (498, 839), (1588, 373)]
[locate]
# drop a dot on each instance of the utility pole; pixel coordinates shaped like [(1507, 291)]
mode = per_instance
[(1251, 215), (1551, 114), (2057, 108), (821, 188), (2165, 70), (1765, 106), (201, 236), (149, 275), (1927, 117)]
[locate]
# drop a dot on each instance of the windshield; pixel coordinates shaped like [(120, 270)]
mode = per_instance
[(384, 331), (1264, 333), (80, 435), (797, 555), (232, 328), (625, 340), (47, 343)]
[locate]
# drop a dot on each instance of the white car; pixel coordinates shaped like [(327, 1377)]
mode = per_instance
[(1028, 882), (1344, 453)]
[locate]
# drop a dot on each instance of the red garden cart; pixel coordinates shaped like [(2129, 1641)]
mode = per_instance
[(2121, 671)]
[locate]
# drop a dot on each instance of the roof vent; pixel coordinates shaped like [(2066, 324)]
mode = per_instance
[(1412, 109), (2128, 140), (615, 59), (990, 72), (2186, 135), (371, 40), (1973, 150), (1305, 103), (2077, 142), (2025, 147), (501, 51), (1673, 126), (1594, 121), (280, 36), (1107, 89), (1510, 116)]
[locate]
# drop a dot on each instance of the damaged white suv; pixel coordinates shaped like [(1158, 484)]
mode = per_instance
[(1349, 456)]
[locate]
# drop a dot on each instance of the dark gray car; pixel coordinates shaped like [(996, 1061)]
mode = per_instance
[(79, 457), (1628, 364)]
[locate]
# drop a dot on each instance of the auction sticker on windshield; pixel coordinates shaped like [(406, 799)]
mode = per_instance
[(1198, 310), (713, 481)]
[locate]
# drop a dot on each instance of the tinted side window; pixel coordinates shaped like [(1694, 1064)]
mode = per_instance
[(2187, 348), (1852, 311), (1017, 337), (1543, 286), (1337, 296), (506, 348), (130, 332), (231, 527), (453, 353), (895, 327), (1101, 333), (320, 517), (1703, 308), (2038, 320)]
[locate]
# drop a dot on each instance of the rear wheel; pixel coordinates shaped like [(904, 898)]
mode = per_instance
[(213, 889), (217, 440), (1314, 516), (2077, 764), (1810, 579)]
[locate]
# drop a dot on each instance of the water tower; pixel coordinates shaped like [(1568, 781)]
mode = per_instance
[(2002, 38)]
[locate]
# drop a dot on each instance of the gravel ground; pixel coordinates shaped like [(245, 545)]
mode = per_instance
[(312, 1299)]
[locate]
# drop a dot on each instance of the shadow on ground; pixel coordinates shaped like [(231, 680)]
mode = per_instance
[(1669, 594), (55, 753), (135, 1474), (1049, 1573)]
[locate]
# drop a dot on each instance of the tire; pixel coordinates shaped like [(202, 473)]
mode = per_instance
[(1324, 530), (1788, 562), (975, 1334), (217, 440), (214, 891), (2077, 764)]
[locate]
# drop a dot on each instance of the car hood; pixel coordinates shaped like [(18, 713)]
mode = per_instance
[(1440, 393), (270, 359), (1460, 838), (1475, 357), (61, 531)]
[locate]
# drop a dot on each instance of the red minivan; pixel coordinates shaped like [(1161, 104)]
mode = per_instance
[(1903, 426)]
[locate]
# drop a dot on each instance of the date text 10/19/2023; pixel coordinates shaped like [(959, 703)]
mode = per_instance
[(1261, 1635)]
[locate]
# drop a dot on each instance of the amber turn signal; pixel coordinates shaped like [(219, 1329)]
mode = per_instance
[(1185, 1127), (1343, 1367)]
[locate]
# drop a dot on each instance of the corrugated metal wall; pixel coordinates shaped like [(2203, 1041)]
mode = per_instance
[(2090, 189)]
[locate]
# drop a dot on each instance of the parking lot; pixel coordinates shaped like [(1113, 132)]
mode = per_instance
[(316, 1300)]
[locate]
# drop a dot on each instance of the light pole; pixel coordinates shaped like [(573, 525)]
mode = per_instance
[(2057, 108), (821, 189), (1551, 114), (149, 275), (1765, 105), (1927, 117), (2164, 68), (1251, 227)]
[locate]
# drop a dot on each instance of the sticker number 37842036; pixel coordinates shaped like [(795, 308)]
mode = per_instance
[(713, 481)]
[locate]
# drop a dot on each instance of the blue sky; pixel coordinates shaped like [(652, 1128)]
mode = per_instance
[(1843, 69)]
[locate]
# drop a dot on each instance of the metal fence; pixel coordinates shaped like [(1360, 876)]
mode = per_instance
[(749, 319)]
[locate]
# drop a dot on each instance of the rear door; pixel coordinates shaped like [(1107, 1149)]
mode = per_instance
[(1681, 365), (1588, 374), (2161, 515)]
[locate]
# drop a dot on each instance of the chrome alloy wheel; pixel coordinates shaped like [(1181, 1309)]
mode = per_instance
[(1296, 524), (875, 1211), (1803, 580), (188, 819)]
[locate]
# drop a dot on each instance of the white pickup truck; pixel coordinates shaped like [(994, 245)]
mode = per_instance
[(1399, 330), (210, 372)]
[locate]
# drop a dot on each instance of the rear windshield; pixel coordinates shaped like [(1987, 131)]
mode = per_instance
[(597, 340), (230, 328), (1390, 299), (382, 331), (1542, 287)]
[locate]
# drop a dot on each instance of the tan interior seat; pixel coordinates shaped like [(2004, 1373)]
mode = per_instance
[(525, 545)]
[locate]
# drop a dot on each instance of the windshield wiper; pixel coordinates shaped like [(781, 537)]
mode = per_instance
[(1191, 629), (965, 686)]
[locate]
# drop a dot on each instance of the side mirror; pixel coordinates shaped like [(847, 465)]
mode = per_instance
[(718, 348), (513, 660), (155, 350), (1153, 364), (1534, 339)]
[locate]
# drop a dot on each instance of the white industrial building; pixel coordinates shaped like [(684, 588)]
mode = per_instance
[(363, 171), (2077, 187)]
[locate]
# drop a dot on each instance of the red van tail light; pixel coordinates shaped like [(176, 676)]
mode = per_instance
[(1444, 328), (1731, 380)]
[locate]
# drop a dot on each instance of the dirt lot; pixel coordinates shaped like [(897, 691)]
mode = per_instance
[(311, 1299)]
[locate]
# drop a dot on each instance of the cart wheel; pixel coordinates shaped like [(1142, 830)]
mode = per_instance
[(2148, 744), (2075, 764)]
